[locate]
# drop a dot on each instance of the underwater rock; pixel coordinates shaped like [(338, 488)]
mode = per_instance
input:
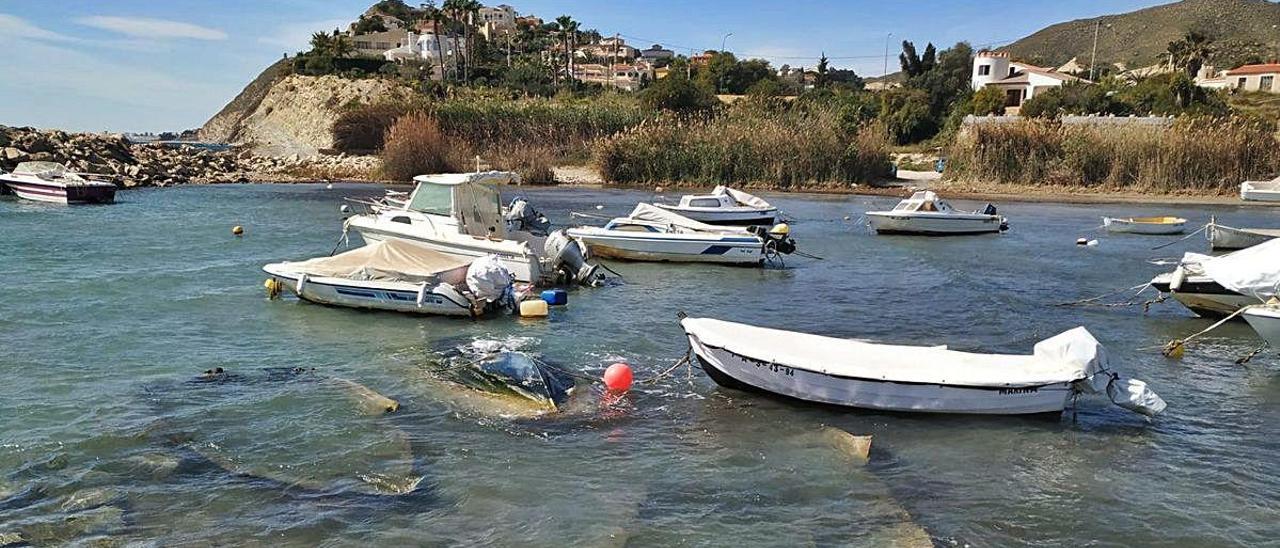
[(65, 528), (11, 539), (85, 499), (156, 465), (855, 448)]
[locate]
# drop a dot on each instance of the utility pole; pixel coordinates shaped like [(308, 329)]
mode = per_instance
[(1097, 26), (885, 77)]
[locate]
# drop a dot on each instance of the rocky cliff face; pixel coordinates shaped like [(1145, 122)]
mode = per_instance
[(294, 115)]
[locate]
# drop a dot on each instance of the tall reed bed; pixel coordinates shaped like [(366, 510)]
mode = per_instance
[(1194, 154), (566, 126), (748, 144)]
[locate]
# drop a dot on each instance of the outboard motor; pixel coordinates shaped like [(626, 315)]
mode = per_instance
[(567, 256), (991, 210), (523, 217), (777, 240)]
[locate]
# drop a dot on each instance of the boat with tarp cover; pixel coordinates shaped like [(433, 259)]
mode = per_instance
[(1219, 286), (53, 182), (934, 379), (400, 277), (649, 233), (725, 206)]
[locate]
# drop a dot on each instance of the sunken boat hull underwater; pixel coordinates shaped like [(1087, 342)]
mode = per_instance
[(54, 183), (865, 375), (925, 214), (650, 233), (1220, 286), (1153, 226), (725, 206), (398, 276), (1226, 238), (461, 214)]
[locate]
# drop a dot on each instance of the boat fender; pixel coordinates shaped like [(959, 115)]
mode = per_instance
[(273, 287), (1179, 276), (302, 281), (422, 293)]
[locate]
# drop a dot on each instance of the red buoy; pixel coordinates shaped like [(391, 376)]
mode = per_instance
[(618, 377)]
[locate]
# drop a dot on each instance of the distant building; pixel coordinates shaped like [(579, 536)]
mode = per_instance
[(442, 52), (376, 43), (702, 59), (626, 77), (1019, 81), (656, 53), (491, 22), (613, 49), (1254, 78)]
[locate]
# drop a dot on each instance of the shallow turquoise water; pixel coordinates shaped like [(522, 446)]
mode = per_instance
[(108, 312)]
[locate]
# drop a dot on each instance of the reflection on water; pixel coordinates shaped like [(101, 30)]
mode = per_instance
[(111, 314)]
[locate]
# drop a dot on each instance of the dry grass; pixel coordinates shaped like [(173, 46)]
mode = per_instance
[(1195, 154), (749, 144), (414, 146)]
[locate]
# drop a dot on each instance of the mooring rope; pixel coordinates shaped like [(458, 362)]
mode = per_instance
[(1175, 348), (1093, 301), (1182, 239), (682, 361)]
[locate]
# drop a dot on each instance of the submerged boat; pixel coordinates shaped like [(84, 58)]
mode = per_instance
[(1145, 225), (398, 276), (652, 234), (1261, 191), (866, 375), (1265, 319), (1222, 237), (53, 182), (924, 213), (1219, 286), (460, 214), (725, 206)]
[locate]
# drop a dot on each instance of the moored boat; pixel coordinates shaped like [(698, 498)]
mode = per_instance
[(398, 276), (1222, 237), (925, 214), (866, 375), (1220, 286), (1265, 319), (652, 234), (1261, 191), (460, 214), (725, 206), (1145, 225), (53, 182)]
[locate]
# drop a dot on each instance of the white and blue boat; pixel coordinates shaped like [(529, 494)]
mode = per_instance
[(653, 234)]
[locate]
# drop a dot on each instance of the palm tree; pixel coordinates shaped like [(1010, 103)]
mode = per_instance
[(567, 26), (1191, 52), (341, 46), (321, 43), (436, 16)]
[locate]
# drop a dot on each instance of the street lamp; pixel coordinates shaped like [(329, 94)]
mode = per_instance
[(726, 37)]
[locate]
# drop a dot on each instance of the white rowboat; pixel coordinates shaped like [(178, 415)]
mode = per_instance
[(1261, 191), (1222, 237), (859, 374), (1145, 225)]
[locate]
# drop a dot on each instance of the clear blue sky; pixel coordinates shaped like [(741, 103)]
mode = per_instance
[(153, 65)]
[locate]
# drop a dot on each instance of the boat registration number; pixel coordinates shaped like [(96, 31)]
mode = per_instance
[(779, 369), (1012, 391)]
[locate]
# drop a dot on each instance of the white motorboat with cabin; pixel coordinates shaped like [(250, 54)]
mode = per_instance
[(1261, 191), (1265, 319), (398, 276), (934, 379), (53, 182), (653, 234), (1219, 286), (924, 213), (461, 214), (1222, 237), (725, 206), (1145, 225)]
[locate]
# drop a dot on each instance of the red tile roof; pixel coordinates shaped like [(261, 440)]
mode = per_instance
[(1268, 68)]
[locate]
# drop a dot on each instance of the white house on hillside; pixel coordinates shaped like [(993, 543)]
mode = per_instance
[(1019, 81), (1261, 77), (496, 20), (441, 55)]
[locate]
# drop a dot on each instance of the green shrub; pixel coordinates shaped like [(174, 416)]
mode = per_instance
[(988, 100), (675, 93)]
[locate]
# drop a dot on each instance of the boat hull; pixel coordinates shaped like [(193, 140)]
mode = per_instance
[(934, 225), (1228, 238), (524, 267), (1266, 321), (392, 297), (1204, 297), (1126, 226), (744, 373), (59, 194), (672, 248), (726, 216), (1258, 191)]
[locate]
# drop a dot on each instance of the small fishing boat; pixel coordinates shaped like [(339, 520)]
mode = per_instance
[(53, 182), (1145, 225), (653, 234), (924, 213), (1222, 237), (1265, 319), (725, 206), (1261, 191), (924, 379), (461, 214), (1220, 286), (398, 276)]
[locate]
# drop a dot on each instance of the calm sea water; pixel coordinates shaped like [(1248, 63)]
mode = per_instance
[(109, 312)]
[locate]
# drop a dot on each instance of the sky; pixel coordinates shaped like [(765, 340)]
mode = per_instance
[(166, 65)]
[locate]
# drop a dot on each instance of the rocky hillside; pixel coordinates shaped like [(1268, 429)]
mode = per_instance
[(1240, 28), (293, 115)]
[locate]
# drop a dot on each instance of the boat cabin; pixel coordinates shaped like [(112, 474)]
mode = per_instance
[(923, 202), (471, 199), (49, 171), (708, 201)]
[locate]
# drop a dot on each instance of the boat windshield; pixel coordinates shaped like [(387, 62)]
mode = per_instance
[(432, 199)]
